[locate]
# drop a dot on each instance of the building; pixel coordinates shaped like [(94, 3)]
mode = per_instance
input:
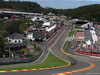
[(74, 20), (14, 46), (15, 43), (29, 33), (15, 38), (46, 24), (30, 36)]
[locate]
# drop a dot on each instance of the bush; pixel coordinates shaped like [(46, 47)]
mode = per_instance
[(37, 49), (71, 33), (34, 44), (77, 27)]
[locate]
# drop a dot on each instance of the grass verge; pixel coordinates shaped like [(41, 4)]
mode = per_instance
[(51, 61), (64, 47), (67, 44), (71, 33), (99, 41)]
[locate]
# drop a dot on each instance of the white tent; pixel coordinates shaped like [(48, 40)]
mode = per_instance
[(51, 28), (34, 19), (94, 36), (46, 24), (88, 42)]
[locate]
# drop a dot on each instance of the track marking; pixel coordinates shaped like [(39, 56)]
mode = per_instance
[(42, 55), (65, 52), (60, 58), (58, 37), (56, 34), (92, 65), (35, 69)]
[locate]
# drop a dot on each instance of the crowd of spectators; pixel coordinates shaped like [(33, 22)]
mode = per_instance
[(77, 45), (83, 46), (88, 35)]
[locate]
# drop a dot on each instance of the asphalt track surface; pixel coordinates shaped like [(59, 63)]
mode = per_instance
[(77, 62)]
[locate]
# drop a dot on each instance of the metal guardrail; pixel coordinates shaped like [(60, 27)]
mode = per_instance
[(7, 62)]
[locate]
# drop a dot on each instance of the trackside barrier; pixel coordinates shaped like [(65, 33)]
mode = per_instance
[(88, 53), (20, 60)]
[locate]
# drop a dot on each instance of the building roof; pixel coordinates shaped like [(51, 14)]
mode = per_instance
[(15, 36), (79, 32), (78, 38), (30, 29), (46, 24), (13, 45), (79, 35)]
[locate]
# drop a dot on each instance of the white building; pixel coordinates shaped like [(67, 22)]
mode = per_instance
[(30, 36), (15, 38), (46, 24), (34, 19)]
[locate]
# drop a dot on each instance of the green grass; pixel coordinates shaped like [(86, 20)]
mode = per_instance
[(71, 33), (68, 44), (51, 61), (99, 41), (64, 47), (78, 27)]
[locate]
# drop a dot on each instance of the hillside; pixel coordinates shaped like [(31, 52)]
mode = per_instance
[(89, 12), (25, 6)]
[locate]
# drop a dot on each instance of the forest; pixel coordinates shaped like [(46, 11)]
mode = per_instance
[(89, 12)]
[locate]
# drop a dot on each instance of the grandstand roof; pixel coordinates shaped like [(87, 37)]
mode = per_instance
[(79, 35), (78, 38)]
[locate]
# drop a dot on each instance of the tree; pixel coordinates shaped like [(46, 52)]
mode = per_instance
[(3, 32), (17, 26), (93, 20), (37, 49), (34, 44), (2, 45)]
